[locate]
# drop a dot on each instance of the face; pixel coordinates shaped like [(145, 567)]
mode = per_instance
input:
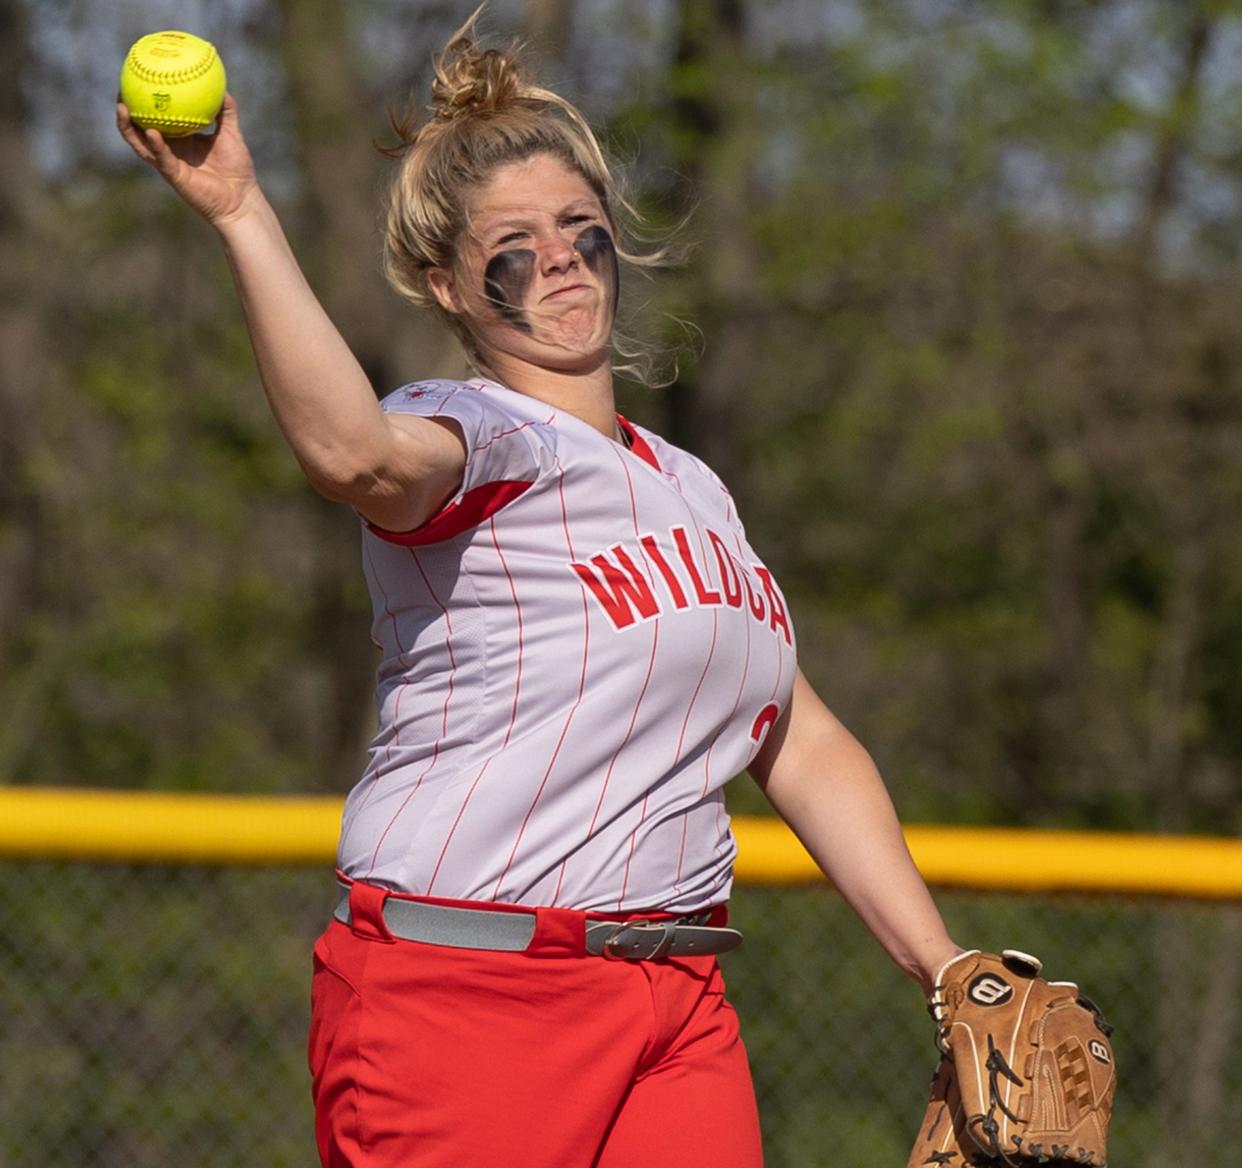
[(536, 278)]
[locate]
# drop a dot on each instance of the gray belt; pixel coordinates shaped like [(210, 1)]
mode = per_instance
[(470, 928)]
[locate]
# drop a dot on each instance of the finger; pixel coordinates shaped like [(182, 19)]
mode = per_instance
[(152, 147), (133, 134), (228, 114), (164, 159)]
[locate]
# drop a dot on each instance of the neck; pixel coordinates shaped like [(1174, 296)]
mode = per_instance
[(587, 395)]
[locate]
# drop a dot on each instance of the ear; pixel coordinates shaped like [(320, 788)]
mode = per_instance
[(444, 289)]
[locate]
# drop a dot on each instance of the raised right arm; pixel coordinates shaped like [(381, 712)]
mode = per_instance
[(396, 470)]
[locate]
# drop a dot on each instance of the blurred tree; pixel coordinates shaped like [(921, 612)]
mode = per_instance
[(546, 27), (970, 368), (22, 346), (711, 125)]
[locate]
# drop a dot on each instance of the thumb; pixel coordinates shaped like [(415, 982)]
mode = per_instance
[(228, 113)]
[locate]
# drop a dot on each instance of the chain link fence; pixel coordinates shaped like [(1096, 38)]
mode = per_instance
[(157, 1015)]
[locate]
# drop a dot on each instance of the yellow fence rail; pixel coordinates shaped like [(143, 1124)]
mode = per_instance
[(164, 827)]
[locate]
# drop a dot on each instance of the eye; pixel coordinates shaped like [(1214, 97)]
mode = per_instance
[(575, 220), (512, 237)]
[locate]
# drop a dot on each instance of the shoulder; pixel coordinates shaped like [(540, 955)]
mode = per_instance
[(486, 412), (504, 432), (483, 402), (428, 397)]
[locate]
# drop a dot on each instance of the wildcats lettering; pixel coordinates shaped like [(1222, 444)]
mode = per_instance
[(677, 576), (620, 592)]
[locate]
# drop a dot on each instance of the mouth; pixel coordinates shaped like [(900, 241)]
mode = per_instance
[(567, 291)]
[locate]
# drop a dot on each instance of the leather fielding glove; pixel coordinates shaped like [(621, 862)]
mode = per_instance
[(1027, 1073)]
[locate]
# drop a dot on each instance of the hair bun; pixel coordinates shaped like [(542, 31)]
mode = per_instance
[(470, 80)]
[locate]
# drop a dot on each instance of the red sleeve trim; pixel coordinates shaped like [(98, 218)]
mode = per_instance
[(456, 518), (638, 444)]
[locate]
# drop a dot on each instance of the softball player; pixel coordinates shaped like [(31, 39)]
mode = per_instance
[(580, 648)]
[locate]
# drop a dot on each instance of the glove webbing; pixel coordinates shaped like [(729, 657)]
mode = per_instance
[(997, 1065)]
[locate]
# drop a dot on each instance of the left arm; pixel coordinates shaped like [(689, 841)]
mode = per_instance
[(822, 782)]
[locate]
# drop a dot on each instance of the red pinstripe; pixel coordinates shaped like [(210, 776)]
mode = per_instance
[(474, 786), (440, 413), (780, 669), (655, 641), (737, 701), (646, 798), (448, 697), (711, 652), (461, 811), (512, 430), (721, 813), (586, 648), (396, 636), (517, 606), (517, 689), (392, 620)]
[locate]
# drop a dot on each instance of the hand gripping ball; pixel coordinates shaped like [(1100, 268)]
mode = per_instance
[(173, 82)]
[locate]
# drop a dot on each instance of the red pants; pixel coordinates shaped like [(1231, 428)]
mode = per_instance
[(424, 1056)]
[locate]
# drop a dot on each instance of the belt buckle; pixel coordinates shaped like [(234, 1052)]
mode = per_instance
[(659, 932)]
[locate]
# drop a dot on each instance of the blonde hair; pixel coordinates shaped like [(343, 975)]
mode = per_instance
[(485, 113)]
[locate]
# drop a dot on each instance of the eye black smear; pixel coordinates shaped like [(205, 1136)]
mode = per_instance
[(596, 248), (505, 281)]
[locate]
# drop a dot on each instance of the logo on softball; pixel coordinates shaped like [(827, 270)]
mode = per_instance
[(989, 990), (1099, 1051)]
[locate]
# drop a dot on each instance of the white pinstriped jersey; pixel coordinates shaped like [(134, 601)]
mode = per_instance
[(579, 651)]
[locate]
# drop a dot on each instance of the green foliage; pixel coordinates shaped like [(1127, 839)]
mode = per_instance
[(973, 377), (982, 418)]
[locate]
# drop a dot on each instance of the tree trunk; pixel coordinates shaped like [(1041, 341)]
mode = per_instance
[(546, 26), (707, 412), (1172, 142)]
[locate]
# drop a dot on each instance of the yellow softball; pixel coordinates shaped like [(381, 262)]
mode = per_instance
[(173, 82)]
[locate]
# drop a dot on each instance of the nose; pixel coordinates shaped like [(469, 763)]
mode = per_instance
[(558, 254)]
